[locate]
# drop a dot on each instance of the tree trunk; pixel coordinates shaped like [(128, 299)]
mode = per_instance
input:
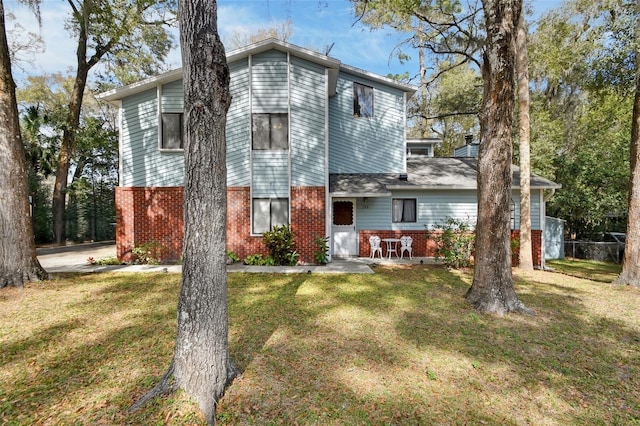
[(201, 364), (68, 145), (492, 288), (18, 261), (630, 266), (522, 64)]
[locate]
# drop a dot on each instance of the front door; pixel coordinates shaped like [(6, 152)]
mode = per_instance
[(343, 227)]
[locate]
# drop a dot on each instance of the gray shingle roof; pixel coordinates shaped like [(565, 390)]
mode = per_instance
[(423, 173)]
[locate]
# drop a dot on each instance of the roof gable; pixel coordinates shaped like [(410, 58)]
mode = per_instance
[(333, 66)]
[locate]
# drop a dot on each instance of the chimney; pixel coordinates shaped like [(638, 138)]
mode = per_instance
[(468, 139)]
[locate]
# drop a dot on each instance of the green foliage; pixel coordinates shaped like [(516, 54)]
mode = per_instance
[(454, 242), (259, 260), (150, 253), (280, 244), (320, 256), (232, 256)]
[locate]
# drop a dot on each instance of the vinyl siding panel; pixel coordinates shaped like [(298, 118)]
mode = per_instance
[(269, 82), (239, 127), (270, 177), (307, 122), (142, 162), (434, 207), (173, 97), (366, 145)]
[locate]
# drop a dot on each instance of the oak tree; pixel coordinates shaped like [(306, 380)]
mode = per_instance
[(201, 363), (18, 261), (492, 287), (122, 32), (630, 273)]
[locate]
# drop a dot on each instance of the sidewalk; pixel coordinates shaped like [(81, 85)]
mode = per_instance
[(75, 258)]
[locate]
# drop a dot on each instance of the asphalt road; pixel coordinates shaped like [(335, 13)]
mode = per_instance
[(74, 256)]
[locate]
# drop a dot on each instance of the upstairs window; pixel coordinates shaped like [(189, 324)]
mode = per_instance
[(270, 131), (269, 212), (362, 100), (403, 210), (172, 131)]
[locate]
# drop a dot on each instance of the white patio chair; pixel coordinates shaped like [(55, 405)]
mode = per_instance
[(405, 245), (374, 242)]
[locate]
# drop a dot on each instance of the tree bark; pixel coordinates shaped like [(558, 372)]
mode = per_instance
[(492, 288), (522, 64), (201, 363), (18, 261), (68, 145), (630, 273)]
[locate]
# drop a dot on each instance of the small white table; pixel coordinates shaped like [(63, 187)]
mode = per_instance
[(392, 246)]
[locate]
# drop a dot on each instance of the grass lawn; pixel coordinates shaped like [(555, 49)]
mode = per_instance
[(400, 347), (589, 269)]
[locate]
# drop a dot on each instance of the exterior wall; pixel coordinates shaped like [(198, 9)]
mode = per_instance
[(270, 82), (270, 174), (308, 124), (366, 145), (143, 164), (146, 215), (307, 219), (434, 207), (424, 246), (155, 215), (238, 130)]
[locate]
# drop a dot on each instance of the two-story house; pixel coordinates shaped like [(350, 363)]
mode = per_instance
[(311, 142)]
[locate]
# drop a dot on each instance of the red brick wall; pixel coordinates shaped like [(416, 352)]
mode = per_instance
[(536, 248), (146, 215), (308, 208), (155, 214)]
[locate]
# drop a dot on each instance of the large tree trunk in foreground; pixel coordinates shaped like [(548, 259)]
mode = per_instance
[(522, 60), (18, 261), (201, 364), (630, 263), (492, 288)]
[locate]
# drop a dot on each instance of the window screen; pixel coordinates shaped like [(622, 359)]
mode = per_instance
[(362, 100), (269, 212), (172, 131), (404, 210), (270, 131)]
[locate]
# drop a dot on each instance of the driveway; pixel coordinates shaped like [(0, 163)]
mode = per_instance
[(75, 257)]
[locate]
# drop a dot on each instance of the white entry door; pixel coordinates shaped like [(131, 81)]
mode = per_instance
[(343, 227)]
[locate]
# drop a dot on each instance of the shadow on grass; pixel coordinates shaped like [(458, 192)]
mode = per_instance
[(397, 347), (112, 327), (403, 347)]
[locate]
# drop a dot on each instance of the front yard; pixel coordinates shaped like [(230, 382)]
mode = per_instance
[(397, 347)]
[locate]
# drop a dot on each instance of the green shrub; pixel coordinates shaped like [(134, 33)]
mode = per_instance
[(232, 256), (454, 242), (150, 253), (258, 260), (321, 255), (280, 244)]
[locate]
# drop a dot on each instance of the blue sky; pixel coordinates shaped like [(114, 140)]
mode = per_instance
[(316, 24)]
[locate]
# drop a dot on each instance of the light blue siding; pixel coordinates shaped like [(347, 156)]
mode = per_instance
[(172, 97), (366, 145), (142, 162), (270, 176), (239, 127), (308, 106), (434, 207), (269, 82), (535, 208)]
